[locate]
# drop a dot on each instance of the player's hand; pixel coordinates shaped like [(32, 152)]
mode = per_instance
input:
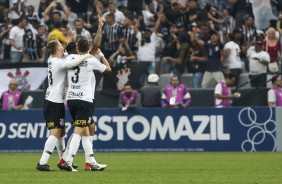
[(101, 21)]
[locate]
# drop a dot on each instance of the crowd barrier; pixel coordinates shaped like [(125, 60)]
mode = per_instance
[(191, 129)]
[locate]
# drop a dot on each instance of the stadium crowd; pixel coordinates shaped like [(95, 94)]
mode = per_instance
[(204, 38)]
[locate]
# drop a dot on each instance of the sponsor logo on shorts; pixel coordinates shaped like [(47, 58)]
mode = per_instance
[(79, 123), (50, 124)]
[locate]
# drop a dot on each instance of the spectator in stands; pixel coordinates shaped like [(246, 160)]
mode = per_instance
[(33, 17), (16, 40), (147, 42), (151, 93), (54, 17), (136, 6), (112, 33), (228, 23), (6, 42), (176, 64), (79, 8), (129, 98), (274, 95), (272, 46), (41, 42), (197, 64), (222, 93), (259, 60), (150, 15), (16, 11), (119, 16), (232, 58), (175, 95), (240, 9), (12, 98), (57, 34), (214, 61), (129, 31), (81, 31), (196, 13)]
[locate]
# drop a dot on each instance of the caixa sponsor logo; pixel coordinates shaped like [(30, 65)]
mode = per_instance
[(198, 128)]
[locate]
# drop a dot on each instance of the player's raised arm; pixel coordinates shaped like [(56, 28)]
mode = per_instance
[(98, 38), (104, 61)]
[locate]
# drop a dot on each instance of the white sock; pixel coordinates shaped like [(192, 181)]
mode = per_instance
[(74, 145), (66, 152), (88, 149), (48, 149), (91, 142), (61, 146)]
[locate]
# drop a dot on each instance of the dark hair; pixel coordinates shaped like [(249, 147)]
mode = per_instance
[(82, 44), (71, 48), (274, 78), (231, 76), (111, 16)]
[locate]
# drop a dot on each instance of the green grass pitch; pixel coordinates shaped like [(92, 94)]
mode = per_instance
[(150, 167)]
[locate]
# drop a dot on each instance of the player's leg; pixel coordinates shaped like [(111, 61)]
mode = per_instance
[(54, 117)]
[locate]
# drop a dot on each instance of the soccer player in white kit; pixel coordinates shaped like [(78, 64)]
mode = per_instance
[(80, 101), (54, 110)]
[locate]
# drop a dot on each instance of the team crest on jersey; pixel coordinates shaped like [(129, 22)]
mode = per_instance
[(21, 79), (62, 122), (122, 76)]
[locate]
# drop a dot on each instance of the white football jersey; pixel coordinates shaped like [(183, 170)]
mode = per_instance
[(57, 70), (81, 80)]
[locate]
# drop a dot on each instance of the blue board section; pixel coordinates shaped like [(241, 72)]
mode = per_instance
[(190, 129)]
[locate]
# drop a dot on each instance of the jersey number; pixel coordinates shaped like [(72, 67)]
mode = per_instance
[(50, 78), (74, 78)]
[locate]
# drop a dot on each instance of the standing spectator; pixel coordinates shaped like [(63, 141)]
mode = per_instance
[(147, 42), (151, 93), (16, 41), (272, 46), (57, 34), (129, 98), (232, 58), (112, 34), (222, 93), (79, 7), (6, 42), (12, 98), (52, 17), (197, 64), (274, 95), (119, 16), (41, 42), (16, 10), (33, 17), (129, 32), (214, 61), (259, 60), (240, 9), (150, 15), (135, 6), (176, 64), (175, 95), (80, 31), (197, 14)]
